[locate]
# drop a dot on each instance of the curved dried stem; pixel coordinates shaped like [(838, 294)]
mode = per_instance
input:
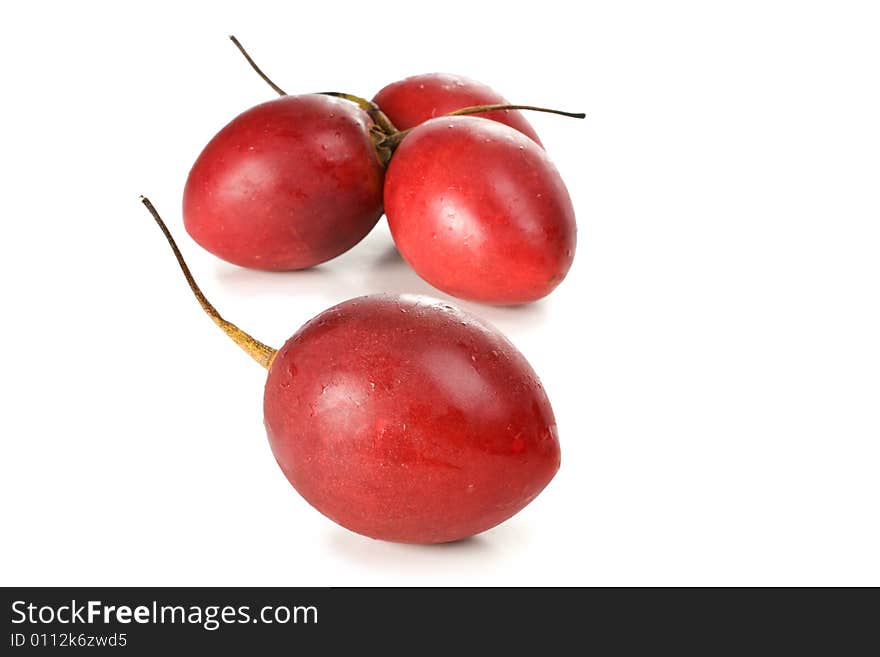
[(477, 109), (256, 68), (260, 352)]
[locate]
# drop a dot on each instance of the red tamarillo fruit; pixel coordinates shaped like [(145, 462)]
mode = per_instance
[(480, 211), (402, 418)]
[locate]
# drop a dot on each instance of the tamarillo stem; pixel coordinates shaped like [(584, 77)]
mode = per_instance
[(392, 141), (477, 109), (260, 352), (256, 68), (378, 116)]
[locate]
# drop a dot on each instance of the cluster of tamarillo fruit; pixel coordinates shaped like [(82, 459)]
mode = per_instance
[(400, 417)]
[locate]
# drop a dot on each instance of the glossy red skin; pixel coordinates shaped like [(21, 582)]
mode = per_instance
[(287, 184), (416, 99), (404, 419), (479, 211)]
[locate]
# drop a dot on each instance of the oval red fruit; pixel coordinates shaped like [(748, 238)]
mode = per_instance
[(480, 211), (404, 419), (287, 184)]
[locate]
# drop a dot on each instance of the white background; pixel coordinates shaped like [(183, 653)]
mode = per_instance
[(712, 357)]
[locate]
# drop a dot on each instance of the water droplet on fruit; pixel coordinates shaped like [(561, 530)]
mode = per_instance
[(518, 445)]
